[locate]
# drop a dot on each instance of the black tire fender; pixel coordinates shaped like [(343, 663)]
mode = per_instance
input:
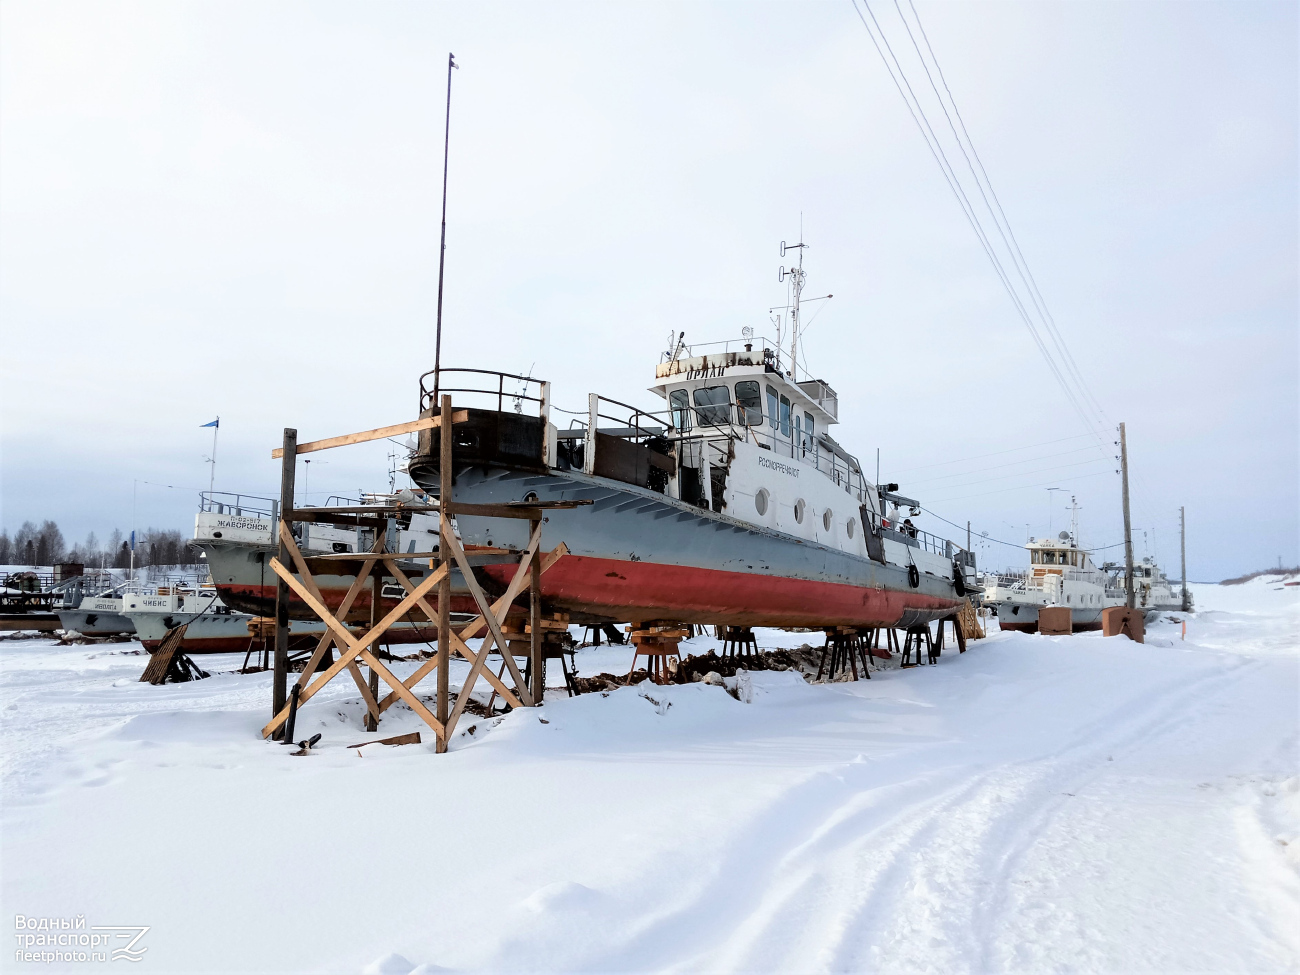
[(913, 576), (958, 580)]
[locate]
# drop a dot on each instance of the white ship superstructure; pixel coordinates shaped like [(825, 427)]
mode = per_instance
[(1060, 574)]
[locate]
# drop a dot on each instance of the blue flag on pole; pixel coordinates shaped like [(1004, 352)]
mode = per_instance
[(214, 423)]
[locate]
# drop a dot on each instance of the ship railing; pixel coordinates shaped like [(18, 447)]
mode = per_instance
[(166, 584), (239, 505), (759, 341), (484, 388), (924, 540), (628, 422)]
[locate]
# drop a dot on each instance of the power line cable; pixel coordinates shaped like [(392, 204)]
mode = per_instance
[(1013, 245), (936, 150), (989, 538)]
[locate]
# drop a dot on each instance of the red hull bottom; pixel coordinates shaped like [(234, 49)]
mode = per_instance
[(594, 589), (635, 591)]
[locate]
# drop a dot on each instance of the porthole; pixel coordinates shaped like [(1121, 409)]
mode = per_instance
[(851, 527), (798, 511), (760, 501), (826, 519)]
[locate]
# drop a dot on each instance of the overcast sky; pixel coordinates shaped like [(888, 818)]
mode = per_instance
[(233, 209)]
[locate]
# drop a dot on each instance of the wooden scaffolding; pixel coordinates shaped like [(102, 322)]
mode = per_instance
[(296, 574)]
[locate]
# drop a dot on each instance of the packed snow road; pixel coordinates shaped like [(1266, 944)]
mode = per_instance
[(1035, 805)]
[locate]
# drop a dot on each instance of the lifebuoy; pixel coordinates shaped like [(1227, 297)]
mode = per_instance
[(913, 576), (958, 580)]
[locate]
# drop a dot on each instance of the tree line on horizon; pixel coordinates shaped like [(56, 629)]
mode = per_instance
[(44, 544)]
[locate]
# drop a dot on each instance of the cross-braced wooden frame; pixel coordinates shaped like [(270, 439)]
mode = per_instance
[(356, 649), (353, 648)]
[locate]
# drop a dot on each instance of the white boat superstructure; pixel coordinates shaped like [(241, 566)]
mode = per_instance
[(1060, 574), (248, 522), (754, 444)]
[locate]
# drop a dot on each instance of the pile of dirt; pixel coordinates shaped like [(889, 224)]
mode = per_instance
[(693, 668)]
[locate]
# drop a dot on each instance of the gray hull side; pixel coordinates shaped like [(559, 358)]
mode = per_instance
[(95, 624), (1016, 615), (634, 524)]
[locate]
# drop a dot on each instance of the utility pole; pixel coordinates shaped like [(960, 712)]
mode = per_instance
[(442, 251), (1182, 534), (1128, 527)]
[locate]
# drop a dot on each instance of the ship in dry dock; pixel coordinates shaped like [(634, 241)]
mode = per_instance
[(730, 504)]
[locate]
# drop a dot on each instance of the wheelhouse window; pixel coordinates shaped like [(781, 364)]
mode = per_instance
[(772, 417), (785, 416), (749, 403), (809, 441), (713, 404), (680, 402)]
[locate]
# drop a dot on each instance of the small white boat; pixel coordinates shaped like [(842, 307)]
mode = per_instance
[(213, 627), (98, 616)]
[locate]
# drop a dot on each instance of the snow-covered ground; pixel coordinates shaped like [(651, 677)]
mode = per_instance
[(1037, 804)]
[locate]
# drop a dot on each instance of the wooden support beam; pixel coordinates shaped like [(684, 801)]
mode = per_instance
[(350, 647), (537, 665), (379, 433), (406, 695), (472, 629), (527, 512), (529, 572), (372, 706), (372, 513), (444, 591), (327, 638), (314, 516), (280, 674), (457, 645), (450, 541)]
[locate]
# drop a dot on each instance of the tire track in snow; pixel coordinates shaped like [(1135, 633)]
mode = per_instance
[(965, 869), (1025, 826), (925, 886)]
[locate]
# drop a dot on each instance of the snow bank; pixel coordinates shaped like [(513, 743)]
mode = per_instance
[(1038, 803)]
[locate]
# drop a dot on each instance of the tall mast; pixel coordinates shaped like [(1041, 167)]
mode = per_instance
[(1128, 528), (442, 252), (796, 285)]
